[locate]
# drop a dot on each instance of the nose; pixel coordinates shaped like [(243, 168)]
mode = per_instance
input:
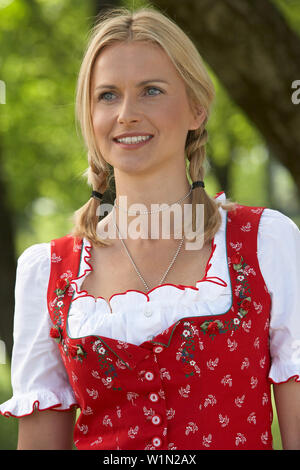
[(128, 111)]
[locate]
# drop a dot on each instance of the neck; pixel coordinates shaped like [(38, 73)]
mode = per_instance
[(160, 220)]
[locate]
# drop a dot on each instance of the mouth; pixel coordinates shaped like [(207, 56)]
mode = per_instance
[(135, 145)]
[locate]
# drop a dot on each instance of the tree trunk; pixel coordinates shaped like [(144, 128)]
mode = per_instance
[(256, 56), (100, 5), (7, 268)]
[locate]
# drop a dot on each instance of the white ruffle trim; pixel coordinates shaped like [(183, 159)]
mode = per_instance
[(282, 372), (163, 305), (206, 288), (24, 404)]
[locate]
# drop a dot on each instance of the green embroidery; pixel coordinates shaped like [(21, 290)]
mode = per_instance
[(76, 352), (106, 364), (215, 327), (187, 353)]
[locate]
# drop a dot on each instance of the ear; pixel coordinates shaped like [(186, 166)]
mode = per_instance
[(197, 117)]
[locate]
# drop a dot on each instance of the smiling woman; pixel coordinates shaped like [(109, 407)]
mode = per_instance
[(184, 364), (138, 80)]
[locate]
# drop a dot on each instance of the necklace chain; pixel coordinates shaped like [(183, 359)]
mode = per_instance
[(154, 210), (135, 266)]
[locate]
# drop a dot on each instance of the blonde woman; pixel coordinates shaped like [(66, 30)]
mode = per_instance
[(162, 344)]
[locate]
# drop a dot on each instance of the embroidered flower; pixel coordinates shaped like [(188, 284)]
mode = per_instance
[(212, 327), (55, 333), (237, 260), (72, 351), (246, 303), (242, 290), (61, 286), (186, 351), (186, 333), (107, 365), (76, 352), (97, 345)]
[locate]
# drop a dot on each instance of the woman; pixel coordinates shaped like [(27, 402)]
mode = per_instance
[(182, 361)]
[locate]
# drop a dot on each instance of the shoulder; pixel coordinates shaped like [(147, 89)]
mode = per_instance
[(271, 221), (33, 270), (40, 254), (34, 256), (278, 251), (275, 225), (66, 244)]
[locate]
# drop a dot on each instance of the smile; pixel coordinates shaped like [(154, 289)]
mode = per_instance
[(133, 142)]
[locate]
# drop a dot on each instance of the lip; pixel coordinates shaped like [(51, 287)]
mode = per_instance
[(133, 146)]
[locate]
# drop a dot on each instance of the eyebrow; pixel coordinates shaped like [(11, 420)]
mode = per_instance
[(144, 82)]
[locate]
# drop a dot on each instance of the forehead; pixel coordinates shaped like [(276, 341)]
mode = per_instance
[(134, 61)]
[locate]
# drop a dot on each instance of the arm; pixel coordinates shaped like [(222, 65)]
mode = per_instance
[(279, 235), (47, 430), (287, 399), (38, 374)]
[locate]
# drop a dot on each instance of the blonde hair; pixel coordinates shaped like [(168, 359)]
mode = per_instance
[(145, 24)]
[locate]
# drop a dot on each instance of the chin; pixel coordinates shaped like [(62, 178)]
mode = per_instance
[(131, 163)]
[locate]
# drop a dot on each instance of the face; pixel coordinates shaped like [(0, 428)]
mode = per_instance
[(159, 107)]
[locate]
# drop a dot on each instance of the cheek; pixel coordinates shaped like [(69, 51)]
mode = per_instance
[(100, 124), (97, 121), (172, 115)]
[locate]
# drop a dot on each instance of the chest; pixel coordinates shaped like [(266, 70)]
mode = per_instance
[(113, 271)]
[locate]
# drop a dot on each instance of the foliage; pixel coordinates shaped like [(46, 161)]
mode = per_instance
[(42, 44)]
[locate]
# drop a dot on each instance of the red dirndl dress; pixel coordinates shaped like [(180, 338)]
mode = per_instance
[(200, 384)]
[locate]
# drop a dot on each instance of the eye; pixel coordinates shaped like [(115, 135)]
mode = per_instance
[(153, 88), (102, 95)]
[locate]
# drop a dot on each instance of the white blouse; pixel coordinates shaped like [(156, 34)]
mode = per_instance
[(39, 379)]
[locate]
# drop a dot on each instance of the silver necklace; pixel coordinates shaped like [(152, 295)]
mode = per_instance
[(135, 266), (153, 211)]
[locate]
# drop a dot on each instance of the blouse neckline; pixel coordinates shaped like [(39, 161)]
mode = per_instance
[(218, 276)]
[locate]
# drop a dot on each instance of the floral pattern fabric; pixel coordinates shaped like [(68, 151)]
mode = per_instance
[(200, 384)]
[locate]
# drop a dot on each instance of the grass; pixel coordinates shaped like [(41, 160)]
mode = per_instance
[(8, 426)]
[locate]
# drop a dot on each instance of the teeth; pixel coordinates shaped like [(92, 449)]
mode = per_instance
[(134, 140)]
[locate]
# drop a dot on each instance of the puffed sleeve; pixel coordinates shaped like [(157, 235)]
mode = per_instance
[(279, 260), (38, 376)]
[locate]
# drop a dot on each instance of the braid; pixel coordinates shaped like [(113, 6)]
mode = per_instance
[(196, 154), (97, 175), (85, 219)]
